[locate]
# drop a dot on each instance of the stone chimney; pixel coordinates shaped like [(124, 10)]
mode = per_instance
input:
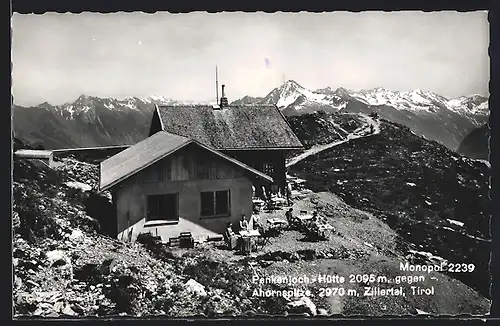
[(223, 99)]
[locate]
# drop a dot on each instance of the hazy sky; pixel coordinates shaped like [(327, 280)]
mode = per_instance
[(57, 57)]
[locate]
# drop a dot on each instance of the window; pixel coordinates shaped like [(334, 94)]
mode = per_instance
[(268, 168), (215, 203), (163, 207)]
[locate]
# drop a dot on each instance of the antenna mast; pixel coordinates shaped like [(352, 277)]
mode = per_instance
[(216, 85)]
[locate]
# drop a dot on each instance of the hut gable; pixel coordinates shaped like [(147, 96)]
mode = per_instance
[(155, 148), (233, 127)]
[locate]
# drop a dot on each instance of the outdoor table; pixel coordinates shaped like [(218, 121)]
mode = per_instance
[(279, 201), (325, 228), (304, 219), (248, 234), (277, 223), (258, 201)]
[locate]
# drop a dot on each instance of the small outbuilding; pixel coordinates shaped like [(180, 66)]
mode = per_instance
[(44, 156)]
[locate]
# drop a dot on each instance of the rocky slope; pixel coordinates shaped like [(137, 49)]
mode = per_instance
[(65, 265), (321, 128), (433, 197), (476, 144)]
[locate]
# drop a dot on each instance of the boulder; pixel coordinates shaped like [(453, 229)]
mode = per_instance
[(107, 266), (52, 314), (32, 283), (303, 305), (294, 257), (307, 254), (75, 235), (18, 282), (265, 263), (320, 254), (196, 288), (58, 306), (68, 311), (57, 258), (323, 312)]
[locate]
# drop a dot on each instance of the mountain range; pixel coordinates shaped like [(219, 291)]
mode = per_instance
[(95, 121), (427, 114)]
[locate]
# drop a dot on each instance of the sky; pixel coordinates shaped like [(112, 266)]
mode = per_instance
[(58, 57)]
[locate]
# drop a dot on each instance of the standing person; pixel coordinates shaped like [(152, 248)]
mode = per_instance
[(264, 194), (243, 223), (292, 222), (288, 194), (255, 222), (289, 216)]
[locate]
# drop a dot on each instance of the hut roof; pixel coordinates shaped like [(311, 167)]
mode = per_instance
[(232, 127)]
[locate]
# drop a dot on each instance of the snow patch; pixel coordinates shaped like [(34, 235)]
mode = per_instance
[(455, 222), (429, 255)]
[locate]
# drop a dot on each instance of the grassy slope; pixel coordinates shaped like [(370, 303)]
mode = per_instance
[(414, 185)]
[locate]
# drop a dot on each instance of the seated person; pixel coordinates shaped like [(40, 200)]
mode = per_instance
[(243, 223), (289, 216), (256, 222), (314, 217), (231, 238)]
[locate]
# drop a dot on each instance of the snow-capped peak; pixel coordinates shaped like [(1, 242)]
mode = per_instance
[(326, 90), (293, 95), (291, 91), (156, 98)]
